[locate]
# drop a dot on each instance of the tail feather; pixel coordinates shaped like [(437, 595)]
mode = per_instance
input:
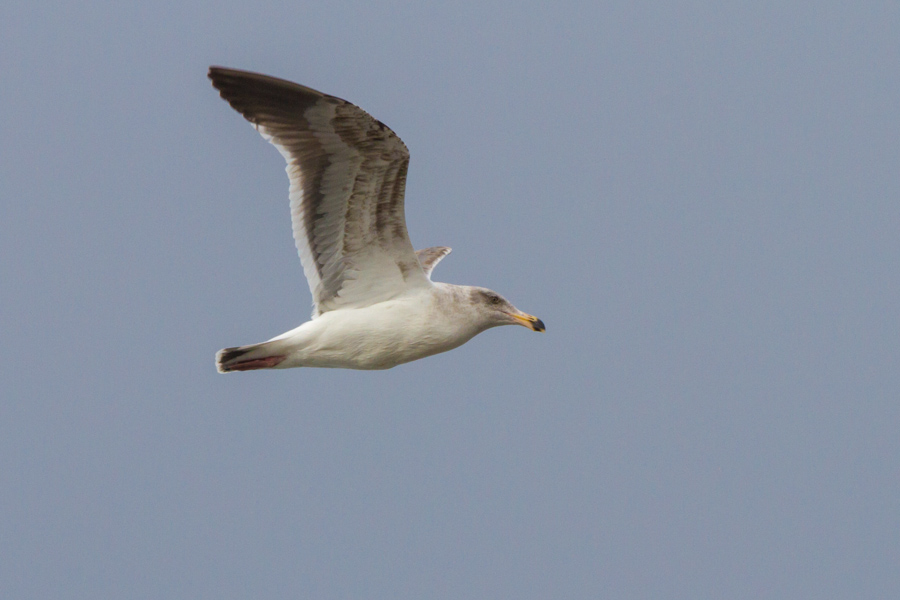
[(248, 358)]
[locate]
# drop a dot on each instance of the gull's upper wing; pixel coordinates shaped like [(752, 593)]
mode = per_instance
[(430, 257), (348, 176)]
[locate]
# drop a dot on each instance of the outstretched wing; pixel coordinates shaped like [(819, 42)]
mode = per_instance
[(430, 257), (348, 176)]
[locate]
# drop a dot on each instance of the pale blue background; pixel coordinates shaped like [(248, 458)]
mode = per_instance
[(700, 199)]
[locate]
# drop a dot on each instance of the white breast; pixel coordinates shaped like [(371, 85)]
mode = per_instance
[(379, 336)]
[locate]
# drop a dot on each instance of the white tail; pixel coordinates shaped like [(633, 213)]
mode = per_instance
[(249, 358)]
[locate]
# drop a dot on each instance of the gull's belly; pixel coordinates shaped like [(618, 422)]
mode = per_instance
[(376, 337)]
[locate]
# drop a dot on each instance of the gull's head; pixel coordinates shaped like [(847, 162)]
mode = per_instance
[(497, 310)]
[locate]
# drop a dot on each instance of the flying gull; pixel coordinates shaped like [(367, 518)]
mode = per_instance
[(375, 305)]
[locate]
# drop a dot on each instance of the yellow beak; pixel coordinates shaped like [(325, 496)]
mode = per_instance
[(532, 323)]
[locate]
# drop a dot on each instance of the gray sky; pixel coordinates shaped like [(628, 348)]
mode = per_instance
[(699, 199)]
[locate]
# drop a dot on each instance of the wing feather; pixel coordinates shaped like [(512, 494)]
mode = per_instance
[(347, 174), (430, 257)]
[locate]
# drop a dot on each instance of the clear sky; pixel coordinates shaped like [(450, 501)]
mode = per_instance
[(700, 200)]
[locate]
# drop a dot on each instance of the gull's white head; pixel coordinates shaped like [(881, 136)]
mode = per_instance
[(495, 310)]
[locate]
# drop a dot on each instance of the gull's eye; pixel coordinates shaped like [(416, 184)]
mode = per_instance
[(493, 299)]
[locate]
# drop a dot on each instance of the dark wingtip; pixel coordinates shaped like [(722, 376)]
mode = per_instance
[(215, 71)]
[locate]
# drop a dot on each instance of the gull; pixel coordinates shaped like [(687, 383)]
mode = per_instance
[(374, 303)]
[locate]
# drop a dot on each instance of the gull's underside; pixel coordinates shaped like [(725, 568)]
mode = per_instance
[(375, 305)]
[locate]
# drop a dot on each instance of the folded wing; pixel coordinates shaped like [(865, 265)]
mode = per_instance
[(348, 175)]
